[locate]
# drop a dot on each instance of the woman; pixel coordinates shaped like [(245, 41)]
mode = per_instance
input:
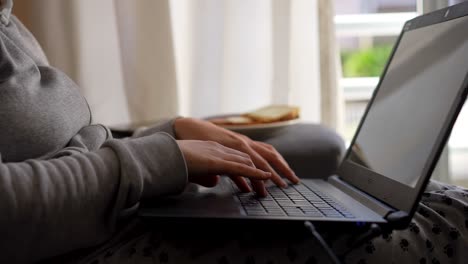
[(65, 184), (59, 171)]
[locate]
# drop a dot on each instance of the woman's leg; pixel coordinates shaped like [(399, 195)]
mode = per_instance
[(438, 232), (191, 245)]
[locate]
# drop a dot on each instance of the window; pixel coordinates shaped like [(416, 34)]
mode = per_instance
[(366, 32)]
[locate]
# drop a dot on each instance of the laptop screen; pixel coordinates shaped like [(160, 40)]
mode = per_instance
[(413, 102)]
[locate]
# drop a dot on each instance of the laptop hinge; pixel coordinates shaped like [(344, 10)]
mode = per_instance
[(365, 199)]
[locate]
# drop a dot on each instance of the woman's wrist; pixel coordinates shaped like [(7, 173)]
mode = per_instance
[(179, 125)]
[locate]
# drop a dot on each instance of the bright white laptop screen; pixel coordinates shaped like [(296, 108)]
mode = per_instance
[(414, 100)]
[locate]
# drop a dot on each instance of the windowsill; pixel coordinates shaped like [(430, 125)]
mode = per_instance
[(381, 24), (358, 89)]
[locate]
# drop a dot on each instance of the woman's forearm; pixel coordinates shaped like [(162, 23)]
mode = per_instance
[(50, 207)]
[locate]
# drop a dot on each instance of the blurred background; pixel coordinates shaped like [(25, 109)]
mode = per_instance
[(149, 59)]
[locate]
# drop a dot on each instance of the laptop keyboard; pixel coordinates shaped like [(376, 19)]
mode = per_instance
[(295, 200)]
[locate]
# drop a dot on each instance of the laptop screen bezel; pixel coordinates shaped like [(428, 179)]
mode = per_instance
[(397, 195)]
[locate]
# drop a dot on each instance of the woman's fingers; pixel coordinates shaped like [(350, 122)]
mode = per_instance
[(242, 159), (204, 158), (259, 187), (264, 157), (241, 183), (261, 163), (236, 152), (274, 158), (235, 168), (230, 162)]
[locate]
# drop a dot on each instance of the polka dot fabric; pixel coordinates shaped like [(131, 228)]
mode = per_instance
[(438, 233)]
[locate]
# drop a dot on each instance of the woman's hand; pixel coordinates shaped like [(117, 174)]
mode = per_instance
[(264, 156), (206, 160)]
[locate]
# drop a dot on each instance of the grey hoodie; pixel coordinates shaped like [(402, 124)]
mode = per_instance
[(65, 183)]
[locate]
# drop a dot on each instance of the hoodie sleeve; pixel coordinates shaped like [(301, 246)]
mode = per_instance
[(50, 207), (165, 125)]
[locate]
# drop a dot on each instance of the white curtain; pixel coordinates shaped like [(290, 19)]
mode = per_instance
[(80, 37), (149, 59)]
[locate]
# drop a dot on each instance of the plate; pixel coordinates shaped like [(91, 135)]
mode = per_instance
[(256, 130)]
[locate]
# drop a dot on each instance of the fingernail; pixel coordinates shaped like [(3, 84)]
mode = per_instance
[(262, 193), (296, 178)]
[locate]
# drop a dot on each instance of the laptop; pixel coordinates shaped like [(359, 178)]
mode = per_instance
[(392, 155)]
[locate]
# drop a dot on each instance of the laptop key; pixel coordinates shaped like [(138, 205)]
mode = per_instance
[(292, 210), (257, 213), (271, 206), (257, 207), (286, 204), (308, 208), (334, 215), (321, 204), (313, 214), (295, 213), (301, 204), (276, 213)]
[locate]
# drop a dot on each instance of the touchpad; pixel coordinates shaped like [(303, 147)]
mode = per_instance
[(197, 200)]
